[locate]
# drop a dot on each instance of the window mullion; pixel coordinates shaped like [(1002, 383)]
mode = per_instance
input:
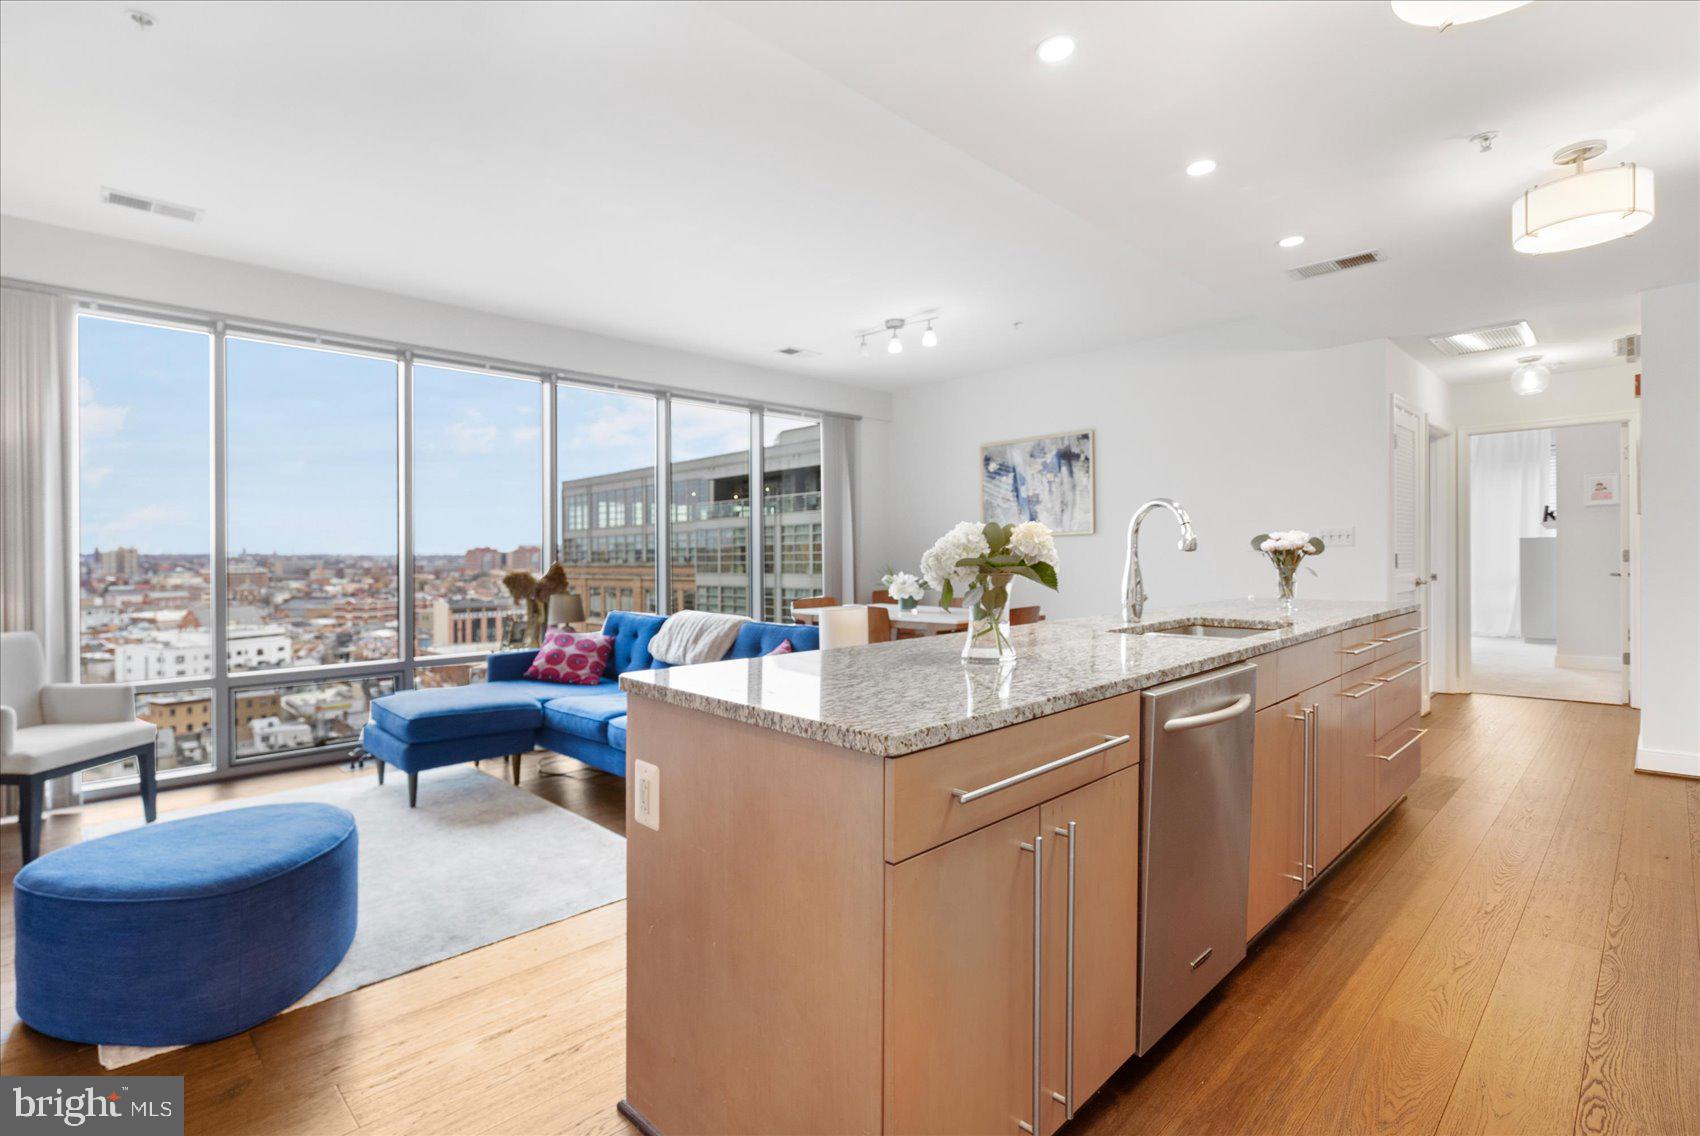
[(223, 716)]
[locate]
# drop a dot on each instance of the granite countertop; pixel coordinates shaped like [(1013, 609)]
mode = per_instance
[(891, 699)]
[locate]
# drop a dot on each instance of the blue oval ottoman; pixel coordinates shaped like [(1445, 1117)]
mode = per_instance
[(186, 930)]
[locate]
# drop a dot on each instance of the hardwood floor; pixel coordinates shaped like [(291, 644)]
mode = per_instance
[(1516, 949)]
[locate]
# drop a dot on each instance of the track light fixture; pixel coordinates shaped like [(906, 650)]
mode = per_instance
[(894, 327)]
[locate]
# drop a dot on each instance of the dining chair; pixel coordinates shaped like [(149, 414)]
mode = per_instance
[(879, 625), (813, 601), (881, 596), (1020, 615)]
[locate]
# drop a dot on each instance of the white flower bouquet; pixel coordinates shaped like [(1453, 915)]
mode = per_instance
[(904, 587), (981, 562), (1287, 550)]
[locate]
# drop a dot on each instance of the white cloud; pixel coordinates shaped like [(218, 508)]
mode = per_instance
[(96, 474), (473, 435), (526, 435), (632, 423), (132, 526), (97, 419)]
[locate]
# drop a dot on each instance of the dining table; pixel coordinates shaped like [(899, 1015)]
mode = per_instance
[(927, 619)]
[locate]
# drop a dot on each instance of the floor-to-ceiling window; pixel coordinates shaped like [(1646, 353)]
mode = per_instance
[(311, 504), (605, 469), (477, 508), (145, 569), (709, 506), (307, 470), (793, 555)]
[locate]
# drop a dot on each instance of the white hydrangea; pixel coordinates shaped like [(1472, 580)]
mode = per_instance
[(905, 586), (964, 542), (1032, 541), (1285, 541)]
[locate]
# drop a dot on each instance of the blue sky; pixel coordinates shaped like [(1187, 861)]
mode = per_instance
[(312, 446)]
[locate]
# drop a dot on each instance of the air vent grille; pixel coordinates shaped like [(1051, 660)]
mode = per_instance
[(150, 205), (799, 352), (1339, 264), (1495, 337), (1629, 347)]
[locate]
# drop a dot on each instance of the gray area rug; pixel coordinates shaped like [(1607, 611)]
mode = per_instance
[(477, 862)]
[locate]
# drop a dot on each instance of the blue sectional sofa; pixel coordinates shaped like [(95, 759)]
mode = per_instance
[(509, 714)]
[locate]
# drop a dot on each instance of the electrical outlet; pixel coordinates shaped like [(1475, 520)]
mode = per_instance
[(1339, 538), (646, 794)]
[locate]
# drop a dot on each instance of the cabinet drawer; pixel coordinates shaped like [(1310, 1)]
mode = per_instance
[(1284, 673), (1399, 633), (1399, 758), (924, 805), (1400, 695)]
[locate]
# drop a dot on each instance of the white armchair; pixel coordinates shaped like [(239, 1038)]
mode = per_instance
[(53, 729)]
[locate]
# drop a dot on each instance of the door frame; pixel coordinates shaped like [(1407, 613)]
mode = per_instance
[(1629, 494), (1441, 676)]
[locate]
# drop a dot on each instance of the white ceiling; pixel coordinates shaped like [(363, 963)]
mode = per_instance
[(735, 178)]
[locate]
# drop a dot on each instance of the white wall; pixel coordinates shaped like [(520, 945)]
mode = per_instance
[(1669, 648), (88, 262), (1247, 439), (1589, 545), (1599, 392)]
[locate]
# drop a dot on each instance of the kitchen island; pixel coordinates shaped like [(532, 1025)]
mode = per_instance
[(855, 903)]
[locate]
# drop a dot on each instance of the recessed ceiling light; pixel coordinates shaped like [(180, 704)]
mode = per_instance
[(1291, 242), (1444, 14), (1056, 49), (1201, 167)]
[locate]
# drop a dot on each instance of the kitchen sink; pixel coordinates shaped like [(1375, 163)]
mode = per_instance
[(1196, 630)]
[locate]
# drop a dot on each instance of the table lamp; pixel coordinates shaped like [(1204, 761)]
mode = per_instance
[(845, 626)]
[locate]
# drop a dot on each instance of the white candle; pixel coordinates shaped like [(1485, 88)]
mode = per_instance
[(845, 626)]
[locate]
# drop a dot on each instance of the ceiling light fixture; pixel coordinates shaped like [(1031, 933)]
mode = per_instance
[(1056, 49), (864, 351), (1588, 207), (1291, 242), (1443, 14), (894, 328), (929, 338), (1201, 167), (1531, 377), (895, 347)]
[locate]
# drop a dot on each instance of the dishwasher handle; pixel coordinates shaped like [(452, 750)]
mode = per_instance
[(1192, 722)]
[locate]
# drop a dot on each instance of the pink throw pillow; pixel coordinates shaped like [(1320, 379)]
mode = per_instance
[(569, 656), (784, 648)]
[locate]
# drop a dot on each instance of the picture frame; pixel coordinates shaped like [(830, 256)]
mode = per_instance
[(1050, 478), (1599, 489)]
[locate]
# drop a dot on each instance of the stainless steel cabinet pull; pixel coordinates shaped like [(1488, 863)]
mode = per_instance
[(1415, 737), (1394, 638), (1199, 961), (1404, 670), (1368, 685), (1232, 710), (1038, 850), (1068, 1064), (1111, 741), (1360, 648), (1314, 790), (1303, 877)]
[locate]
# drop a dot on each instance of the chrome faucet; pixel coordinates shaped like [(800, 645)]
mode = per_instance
[(1133, 581)]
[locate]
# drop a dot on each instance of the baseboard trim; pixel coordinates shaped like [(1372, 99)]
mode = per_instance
[(1588, 662), (1670, 762)]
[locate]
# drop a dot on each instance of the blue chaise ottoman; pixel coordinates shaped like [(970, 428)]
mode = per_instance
[(186, 930)]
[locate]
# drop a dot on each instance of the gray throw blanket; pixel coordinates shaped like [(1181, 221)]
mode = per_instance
[(695, 637)]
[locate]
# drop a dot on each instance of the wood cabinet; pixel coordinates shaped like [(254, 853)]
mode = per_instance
[(959, 983), (1091, 923), (1355, 745), (1277, 813)]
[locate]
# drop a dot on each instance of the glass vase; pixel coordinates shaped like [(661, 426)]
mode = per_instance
[(908, 605), (987, 640), (1284, 588)]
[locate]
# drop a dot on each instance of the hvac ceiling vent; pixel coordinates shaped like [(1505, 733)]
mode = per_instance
[(1629, 347), (799, 352), (1496, 337), (1339, 264), (150, 205)]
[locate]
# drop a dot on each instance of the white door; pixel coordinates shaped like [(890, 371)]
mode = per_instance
[(1628, 494), (1409, 521)]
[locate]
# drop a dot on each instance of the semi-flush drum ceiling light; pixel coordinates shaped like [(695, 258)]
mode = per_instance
[(1588, 207), (1531, 376), (1055, 49), (1444, 14)]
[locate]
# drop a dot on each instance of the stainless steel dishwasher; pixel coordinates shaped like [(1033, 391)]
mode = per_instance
[(1195, 840)]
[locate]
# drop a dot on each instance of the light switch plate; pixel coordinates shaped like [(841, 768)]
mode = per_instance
[(1339, 538), (646, 794)]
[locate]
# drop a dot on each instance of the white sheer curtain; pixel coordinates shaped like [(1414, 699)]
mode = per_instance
[(838, 511), (1508, 474), (38, 510)]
